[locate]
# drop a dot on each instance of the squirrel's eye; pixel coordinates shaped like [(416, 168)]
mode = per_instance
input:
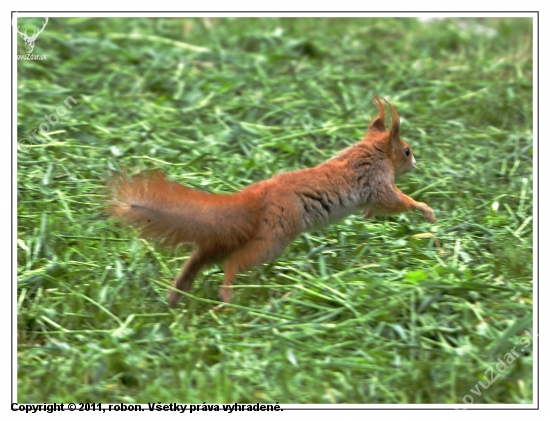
[(407, 151)]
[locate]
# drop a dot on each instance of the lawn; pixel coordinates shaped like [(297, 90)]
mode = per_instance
[(389, 310)]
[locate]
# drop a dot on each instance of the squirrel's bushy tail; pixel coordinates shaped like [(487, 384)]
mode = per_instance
[(172, 214)]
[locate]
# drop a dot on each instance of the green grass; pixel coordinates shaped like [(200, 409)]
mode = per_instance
[(391, 310)]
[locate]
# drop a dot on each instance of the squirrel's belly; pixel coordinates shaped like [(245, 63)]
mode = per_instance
[(320, 219)]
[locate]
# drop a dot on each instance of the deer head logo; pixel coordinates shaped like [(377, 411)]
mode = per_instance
[(30, 40)]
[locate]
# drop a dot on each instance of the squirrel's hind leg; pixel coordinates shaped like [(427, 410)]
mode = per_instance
[(187, 274), (253, 253)]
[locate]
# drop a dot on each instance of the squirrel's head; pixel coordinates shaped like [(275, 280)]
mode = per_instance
[(399, 152)]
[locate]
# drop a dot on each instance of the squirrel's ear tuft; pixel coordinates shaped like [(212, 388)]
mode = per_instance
[(379, 123), (395, 124)]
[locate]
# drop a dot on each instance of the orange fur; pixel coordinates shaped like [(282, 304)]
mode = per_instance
[(254, 225)]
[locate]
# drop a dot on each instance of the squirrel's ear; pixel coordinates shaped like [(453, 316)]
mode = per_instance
[(395, 125), (379, 123)]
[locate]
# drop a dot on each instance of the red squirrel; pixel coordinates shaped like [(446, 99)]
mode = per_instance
[(249, 227)]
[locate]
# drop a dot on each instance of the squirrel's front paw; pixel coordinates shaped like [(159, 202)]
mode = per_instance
[(428, 213)]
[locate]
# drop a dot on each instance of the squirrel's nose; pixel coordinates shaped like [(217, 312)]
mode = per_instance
[(414, 161)]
